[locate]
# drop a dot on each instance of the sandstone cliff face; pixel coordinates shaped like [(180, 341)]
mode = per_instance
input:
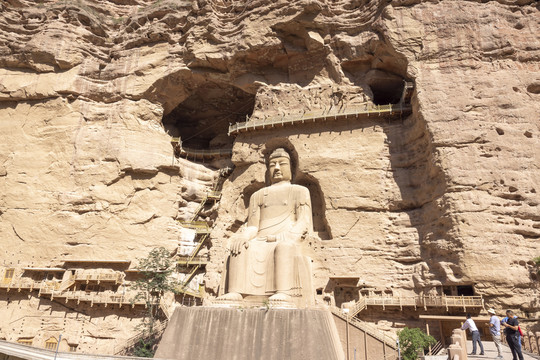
[(91, 91)]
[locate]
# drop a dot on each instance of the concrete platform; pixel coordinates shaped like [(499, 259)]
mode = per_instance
[(490, 352), (246, 334)]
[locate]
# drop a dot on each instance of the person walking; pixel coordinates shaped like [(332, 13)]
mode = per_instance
[(512, 335), (469, 324), (495, 330)]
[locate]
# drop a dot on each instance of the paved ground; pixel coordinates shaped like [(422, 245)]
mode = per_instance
[(490, 352)]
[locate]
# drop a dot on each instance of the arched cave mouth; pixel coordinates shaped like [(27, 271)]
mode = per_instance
[(387, 88), (202, 120)]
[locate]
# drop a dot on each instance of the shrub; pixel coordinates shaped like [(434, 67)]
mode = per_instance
[(413, 340)]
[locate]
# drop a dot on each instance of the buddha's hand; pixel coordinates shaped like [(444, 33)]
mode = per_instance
[(238, 244)]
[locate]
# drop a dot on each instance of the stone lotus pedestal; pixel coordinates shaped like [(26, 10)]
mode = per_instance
[(247, 334)]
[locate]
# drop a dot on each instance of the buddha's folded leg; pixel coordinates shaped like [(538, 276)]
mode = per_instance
[(237, 273), (284, 267)]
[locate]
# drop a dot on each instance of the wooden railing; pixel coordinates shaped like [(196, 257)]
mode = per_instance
[(424, 301), (92, 297), (19, 284), (358, 306), (98, 277), (452, 301), (387, 338), (366, 109)]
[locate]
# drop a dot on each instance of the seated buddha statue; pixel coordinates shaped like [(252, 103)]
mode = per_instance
[(266, 256)]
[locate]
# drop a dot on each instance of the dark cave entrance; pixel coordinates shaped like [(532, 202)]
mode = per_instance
[(202, 119), (387, 88)]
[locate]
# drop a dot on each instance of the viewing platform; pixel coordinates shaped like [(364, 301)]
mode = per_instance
[(93, 297), (365, 110), (98, 277), (424, 302)]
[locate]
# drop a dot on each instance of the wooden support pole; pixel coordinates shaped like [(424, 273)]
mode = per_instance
[(427, 332), (443, 340), (365, 346), (347, 336)]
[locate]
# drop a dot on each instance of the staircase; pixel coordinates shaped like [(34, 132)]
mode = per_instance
[(389, 339)]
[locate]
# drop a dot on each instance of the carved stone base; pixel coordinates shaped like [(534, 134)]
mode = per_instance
[(251, 301), (246, 334)]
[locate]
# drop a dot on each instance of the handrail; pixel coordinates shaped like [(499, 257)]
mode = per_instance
[(192, 260), (388, 339), (158, 329), (417, 301), (199, 152), (93, 297), (365, 109), (201, 227), (80, 276), (214, 195), (359, 306)]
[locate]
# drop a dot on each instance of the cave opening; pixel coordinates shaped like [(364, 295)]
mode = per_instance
[(387, 88), (202, 120)]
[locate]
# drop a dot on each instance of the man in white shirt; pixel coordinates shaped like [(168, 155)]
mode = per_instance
[(495, 330), (469, 324)]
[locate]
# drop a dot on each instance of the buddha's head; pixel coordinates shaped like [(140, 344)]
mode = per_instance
[(279, 166)]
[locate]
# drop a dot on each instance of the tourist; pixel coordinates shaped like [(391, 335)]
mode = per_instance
[(495, 330), (469, 324), (512, 334), (505, 319)]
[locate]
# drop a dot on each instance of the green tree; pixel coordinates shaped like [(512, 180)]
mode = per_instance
[(413, 340), (156, 280)]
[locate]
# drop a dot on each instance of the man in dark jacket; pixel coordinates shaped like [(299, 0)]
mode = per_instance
[(512, 335)]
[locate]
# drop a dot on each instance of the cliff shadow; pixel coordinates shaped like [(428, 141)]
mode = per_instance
[(416, 170)]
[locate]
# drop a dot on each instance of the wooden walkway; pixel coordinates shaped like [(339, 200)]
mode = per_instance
[(424, 302), (362, 111), (198, 153)]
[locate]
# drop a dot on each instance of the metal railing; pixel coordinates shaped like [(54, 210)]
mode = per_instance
[(436, 349), (201, 227), (132, 341), (214, 195), (210, 195), (189, 260), (199, 153), (367, 109)]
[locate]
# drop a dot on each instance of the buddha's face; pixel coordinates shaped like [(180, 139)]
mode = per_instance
[(280, 169)]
